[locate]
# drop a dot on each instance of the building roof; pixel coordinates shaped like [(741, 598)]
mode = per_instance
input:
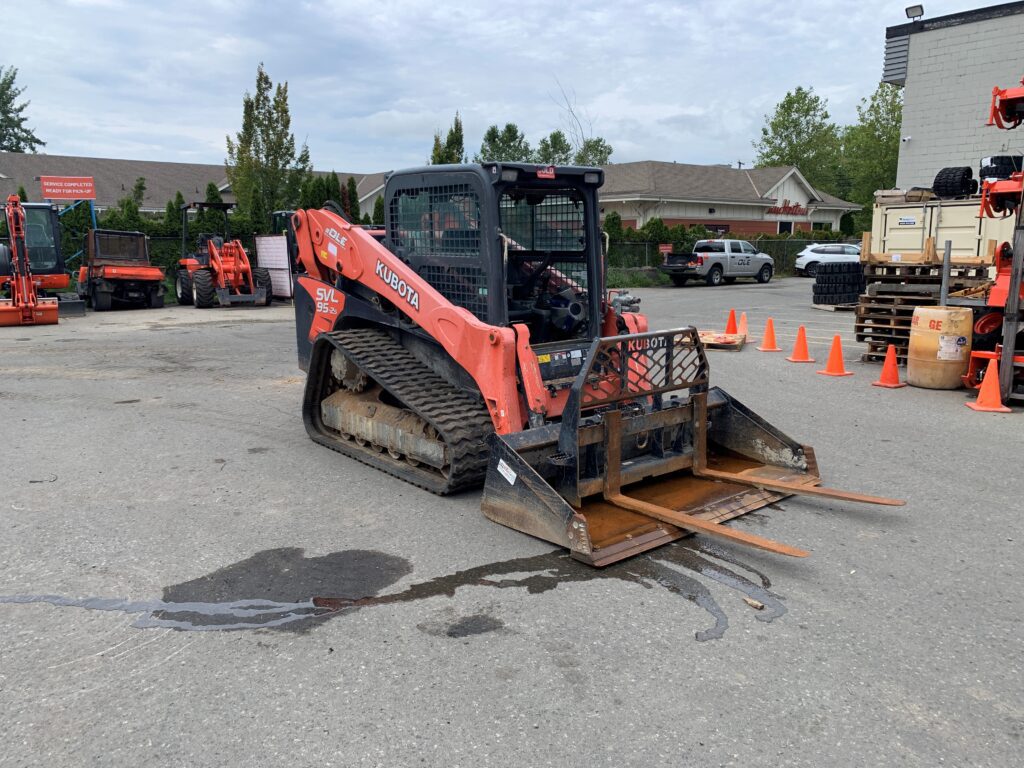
[(955, 19), (652, 179), (115, 178)]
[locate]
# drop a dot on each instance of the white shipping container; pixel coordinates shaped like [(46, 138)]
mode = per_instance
[(904, 227)]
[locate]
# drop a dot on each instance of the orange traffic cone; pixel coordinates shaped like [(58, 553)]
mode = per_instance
[(890, 378), (741, 329), (768, 342), (835, 360), (730, 327), (989, 397), (800, 354)]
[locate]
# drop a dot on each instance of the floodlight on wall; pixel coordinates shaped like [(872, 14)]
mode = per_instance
[(915, 12)]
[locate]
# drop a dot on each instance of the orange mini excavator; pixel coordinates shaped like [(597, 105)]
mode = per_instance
[(23, 305), (477, 344)]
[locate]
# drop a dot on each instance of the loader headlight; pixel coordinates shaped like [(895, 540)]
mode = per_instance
[(509, 174), (591, 178)]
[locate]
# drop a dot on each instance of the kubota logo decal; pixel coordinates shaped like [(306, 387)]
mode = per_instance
[(397, 284)]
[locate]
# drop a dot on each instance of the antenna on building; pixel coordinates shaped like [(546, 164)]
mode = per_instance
[(739, 164)]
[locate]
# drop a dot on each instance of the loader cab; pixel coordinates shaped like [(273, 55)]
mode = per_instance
[(198, 250), (513, 243)]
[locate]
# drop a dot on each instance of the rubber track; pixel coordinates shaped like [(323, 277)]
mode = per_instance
[(461, 419)]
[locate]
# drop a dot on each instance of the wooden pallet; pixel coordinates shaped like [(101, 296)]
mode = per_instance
[(926, 272), (835, 307), (884, 318), (876, 354)]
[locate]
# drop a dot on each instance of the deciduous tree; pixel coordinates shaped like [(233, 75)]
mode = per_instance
[(264, 167), (507, 144), (871, 148), (800, 132)]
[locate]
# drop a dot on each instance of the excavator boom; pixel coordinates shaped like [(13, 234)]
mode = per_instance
[(23, 306)]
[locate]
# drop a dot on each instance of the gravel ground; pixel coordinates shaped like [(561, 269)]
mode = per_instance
[(165, 521)]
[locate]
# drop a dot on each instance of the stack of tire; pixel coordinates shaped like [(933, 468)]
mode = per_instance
[(840, 283), (1000, 166)]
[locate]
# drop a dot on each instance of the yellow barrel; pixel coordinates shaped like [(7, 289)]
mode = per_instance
[(940, 347)]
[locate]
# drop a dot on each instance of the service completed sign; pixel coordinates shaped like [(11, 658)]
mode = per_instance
[(68, 187)]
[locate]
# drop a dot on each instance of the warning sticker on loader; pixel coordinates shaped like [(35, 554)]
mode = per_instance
[(951, 347), (507, 472)]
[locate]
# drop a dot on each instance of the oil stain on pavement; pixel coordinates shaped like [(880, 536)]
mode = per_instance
[(282, 589)]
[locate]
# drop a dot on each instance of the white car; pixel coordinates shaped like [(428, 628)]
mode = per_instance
[(809, 258)]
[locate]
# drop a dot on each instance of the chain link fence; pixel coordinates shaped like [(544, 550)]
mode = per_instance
[(632, 255)]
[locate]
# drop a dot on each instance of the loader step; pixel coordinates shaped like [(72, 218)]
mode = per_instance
[(459, 418)]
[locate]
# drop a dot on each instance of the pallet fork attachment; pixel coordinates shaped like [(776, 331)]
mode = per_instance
[(631, 466)]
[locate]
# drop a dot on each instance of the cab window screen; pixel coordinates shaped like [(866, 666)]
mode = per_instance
[(543, 220)]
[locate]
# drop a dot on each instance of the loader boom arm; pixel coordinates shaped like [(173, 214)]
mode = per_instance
[(330, 247)]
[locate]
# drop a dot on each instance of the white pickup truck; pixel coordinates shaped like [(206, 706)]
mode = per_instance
[(718, 261)]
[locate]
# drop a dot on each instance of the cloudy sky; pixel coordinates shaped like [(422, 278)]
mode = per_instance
[(370, 82)]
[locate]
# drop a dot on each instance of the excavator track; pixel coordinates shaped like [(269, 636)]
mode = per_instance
[(460, 419)]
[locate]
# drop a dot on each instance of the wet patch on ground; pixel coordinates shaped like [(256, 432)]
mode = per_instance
[(283, 589)]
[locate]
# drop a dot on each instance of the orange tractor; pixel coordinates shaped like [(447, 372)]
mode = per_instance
[(217, 268), (24, 305), (477, 344)]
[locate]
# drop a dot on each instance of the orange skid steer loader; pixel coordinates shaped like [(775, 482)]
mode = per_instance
[(217, 270), (477, 344)]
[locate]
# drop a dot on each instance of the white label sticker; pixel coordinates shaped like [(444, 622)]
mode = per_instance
[(907, 221), (951, 347), (506, 472), (896, 257)]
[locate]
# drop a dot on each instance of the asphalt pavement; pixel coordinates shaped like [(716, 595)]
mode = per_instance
[(165, 524)]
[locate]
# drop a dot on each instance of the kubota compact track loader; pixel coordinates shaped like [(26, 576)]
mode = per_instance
[(23, 305), (477, 343), (218, 269)]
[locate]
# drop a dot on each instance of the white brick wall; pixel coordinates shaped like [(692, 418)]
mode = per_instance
[(950, 75)]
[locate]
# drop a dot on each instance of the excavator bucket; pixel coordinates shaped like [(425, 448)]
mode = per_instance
[(646, 453)]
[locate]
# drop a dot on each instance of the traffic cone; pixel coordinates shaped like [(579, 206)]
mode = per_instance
[(741, 329), (989, 397), (890, 378), (730, 327), (768, 342), (800, 354), (835, 360)]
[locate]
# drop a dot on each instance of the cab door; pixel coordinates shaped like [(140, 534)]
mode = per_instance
[(740, 259)]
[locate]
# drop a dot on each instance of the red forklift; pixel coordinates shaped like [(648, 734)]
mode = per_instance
[(216, 269)]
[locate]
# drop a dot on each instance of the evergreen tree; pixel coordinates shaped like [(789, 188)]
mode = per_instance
[(452, 148), (14, 135), (139, 191), (378, 211), (22, 194), (366, 219), (333, 188), (345, 206), (353, 198)]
